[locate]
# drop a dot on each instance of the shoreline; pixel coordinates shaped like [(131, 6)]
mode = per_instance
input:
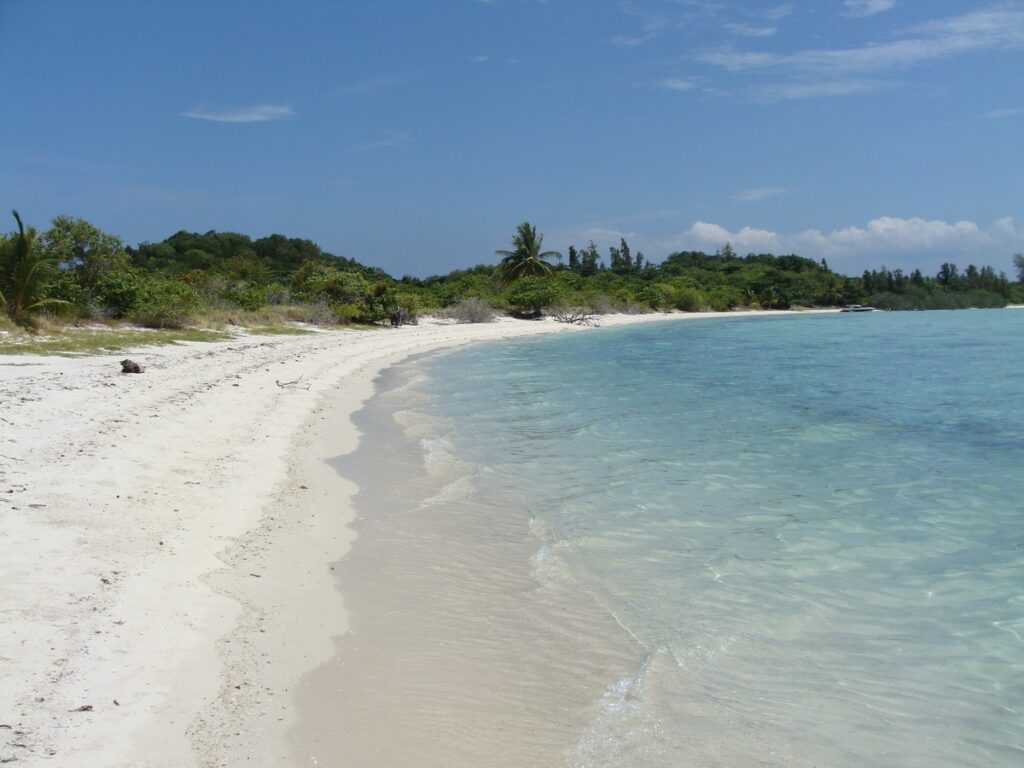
[(151, 526)]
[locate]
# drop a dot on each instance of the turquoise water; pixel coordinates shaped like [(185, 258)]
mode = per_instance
[(811, 527)]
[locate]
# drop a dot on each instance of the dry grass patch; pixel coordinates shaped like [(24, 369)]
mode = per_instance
[(279, 330), (95, 339)]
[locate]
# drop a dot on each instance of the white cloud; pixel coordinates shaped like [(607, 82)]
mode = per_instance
[(747, 30), (839, 71), (809, 90), (677, 84), (778, 12), (982, 30), (746, 239), (897, 234), (861, 8), (390, 139), (758, 193), (999, 114), (259, 114), (899, 242)]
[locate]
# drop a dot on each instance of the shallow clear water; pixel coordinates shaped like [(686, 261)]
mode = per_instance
[(811, 528)]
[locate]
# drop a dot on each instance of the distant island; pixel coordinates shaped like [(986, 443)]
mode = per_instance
[(75, 271)]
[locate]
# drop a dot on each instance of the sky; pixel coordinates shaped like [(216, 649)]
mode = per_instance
[(415, 135)]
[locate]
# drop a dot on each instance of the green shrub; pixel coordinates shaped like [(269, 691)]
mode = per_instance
[(347, 312), (249, 297), (66, 288), (119, 293), (409, 302), (164, 303), (532, 294), (722, 299), (689, 300)]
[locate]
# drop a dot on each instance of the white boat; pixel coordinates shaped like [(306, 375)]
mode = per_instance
[(857, 308)]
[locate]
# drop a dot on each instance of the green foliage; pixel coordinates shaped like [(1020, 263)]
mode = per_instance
[(249, 296), (77, 266), (65, 287), (526, 258), (120, 292), (84, 250), (347, 312), (409, 302), (532, 294), (923, 299), (164, 303), (237, 257), (24, 273), (687, 299)]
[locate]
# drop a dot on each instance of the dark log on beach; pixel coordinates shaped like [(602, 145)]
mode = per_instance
[(130, 366)]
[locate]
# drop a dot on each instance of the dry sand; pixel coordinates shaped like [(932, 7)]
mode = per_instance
[(166, 540)]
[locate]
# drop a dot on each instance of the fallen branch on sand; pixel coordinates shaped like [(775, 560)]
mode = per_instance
[(576, 316), (286, 384)]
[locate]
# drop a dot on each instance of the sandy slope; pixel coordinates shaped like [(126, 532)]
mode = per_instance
[(163, 565)]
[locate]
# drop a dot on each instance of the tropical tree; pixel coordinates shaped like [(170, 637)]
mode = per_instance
[(24, 273), (526, 258), (84, 250)]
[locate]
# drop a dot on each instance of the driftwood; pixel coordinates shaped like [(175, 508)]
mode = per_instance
[(576, 316), (130, 366), (286, 384)]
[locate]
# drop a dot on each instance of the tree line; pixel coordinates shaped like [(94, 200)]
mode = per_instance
[(74, 270)]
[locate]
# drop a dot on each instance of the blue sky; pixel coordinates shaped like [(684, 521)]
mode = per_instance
[(416, 135)]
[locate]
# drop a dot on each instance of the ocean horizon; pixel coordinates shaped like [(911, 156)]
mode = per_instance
[(778, 541)]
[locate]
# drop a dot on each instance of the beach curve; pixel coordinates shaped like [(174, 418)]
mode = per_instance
[(151, 524)]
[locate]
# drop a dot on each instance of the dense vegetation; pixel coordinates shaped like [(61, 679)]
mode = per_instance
[(76, 271)]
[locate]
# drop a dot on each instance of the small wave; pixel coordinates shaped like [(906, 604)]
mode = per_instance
[(457, 490), (419, 425), (439, 458), (622, 732)]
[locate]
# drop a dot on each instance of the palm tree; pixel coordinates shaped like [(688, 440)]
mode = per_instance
[(23, 273), (525, 258)]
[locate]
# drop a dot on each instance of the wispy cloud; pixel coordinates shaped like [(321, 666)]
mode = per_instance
[(794, 91), (677, 84), (258, 114), (758, 193), (390, 139), (674, 16), (999, 114), (839, 71), (862, 8), (746, 30), (983, 30), (777, 12)]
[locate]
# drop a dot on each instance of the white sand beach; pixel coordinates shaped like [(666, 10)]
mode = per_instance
[(167, 539)]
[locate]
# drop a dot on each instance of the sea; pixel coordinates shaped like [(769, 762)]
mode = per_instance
[(751, 541)]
